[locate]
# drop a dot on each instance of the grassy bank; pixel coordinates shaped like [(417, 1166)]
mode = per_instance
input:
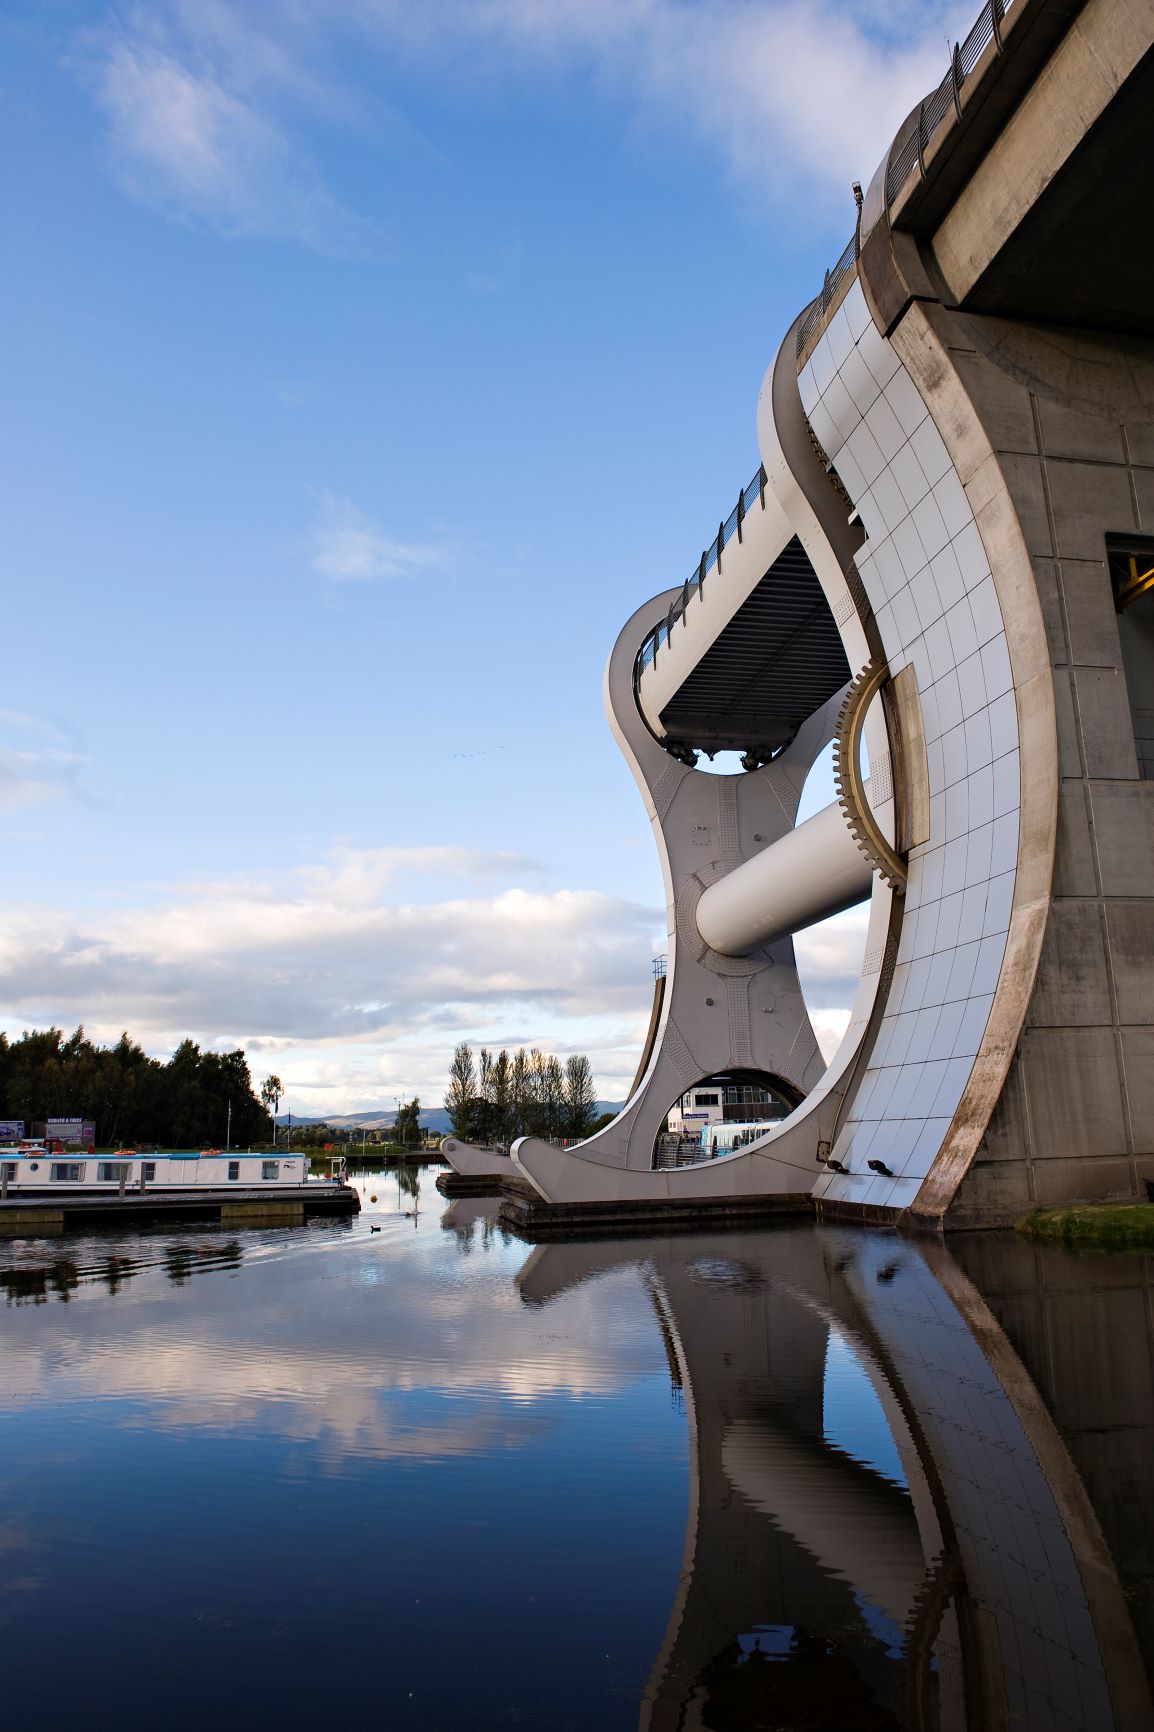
[(1097, 1226)]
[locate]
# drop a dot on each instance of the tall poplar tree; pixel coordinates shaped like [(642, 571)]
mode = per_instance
[(580, 1100), (462, 1091)]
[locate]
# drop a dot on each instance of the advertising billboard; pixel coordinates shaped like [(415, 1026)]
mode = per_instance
[(73, 1133), (11, 1131)]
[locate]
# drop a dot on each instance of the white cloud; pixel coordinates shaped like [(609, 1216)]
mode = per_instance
[(829, 958), (829, 1026), (349, 547), (368, 967), (355, 977), (185, 140), (39, 761), (396, 1338), (797, 97)]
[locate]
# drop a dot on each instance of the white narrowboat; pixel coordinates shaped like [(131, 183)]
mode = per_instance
[(31, 1168)]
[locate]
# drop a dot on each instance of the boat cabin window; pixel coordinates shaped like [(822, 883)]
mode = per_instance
[(70, 1172), (234, 1169), (8, 1170), (270, 1169), (148, 1171)]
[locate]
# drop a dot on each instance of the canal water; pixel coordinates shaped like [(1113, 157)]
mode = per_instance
[(409, 1471)]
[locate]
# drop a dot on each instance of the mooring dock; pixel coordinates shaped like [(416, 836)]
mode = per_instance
[(527, 1214), (453, 1184), (31, 1215)]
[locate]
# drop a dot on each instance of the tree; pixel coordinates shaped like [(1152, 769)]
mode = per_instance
[(462, 1092), (407, 1124), (520, 1095), (500, 1097), (580, 1100), (133, 1098), (535, 1112), (271, 1090), (227, 1100), (529, 1094), (553, 1097)]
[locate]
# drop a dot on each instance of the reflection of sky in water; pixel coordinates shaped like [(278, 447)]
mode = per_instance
[(405, 1468), (889, 1633), (353, 1461), (767, 1639), (854, 1420)]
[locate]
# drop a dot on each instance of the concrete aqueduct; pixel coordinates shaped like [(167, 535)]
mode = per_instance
[(947, 552)]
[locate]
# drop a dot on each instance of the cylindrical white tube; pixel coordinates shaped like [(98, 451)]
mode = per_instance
[(815, 871)]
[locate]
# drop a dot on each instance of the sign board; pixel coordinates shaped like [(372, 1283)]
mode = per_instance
[(695, 1115), (11, 1130), (73, 1133)]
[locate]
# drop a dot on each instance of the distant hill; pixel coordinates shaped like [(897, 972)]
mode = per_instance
[(432, 1119)]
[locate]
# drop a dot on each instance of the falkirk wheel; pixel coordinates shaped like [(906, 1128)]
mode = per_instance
[(944, 563)]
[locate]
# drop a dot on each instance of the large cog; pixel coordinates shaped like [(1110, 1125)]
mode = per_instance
[(851, 794)]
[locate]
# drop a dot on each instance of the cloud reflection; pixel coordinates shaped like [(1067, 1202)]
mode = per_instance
[(347, 1347)]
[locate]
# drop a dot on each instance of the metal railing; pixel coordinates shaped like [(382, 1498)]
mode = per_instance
[(710, 560), (912, 154), (947, 96), (817, 310), (673, 1151)]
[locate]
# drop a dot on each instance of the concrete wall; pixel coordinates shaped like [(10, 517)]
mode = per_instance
[(1084, 1330), (1070, 417), (991, 439)]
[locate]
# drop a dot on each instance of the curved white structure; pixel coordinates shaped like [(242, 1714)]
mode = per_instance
[(955, 512), (744, 1011), (476, 1161)]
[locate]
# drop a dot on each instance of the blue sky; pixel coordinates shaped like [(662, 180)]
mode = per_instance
[(365, 366)]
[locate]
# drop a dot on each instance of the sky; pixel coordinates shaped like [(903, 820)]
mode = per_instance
[(365, 365)]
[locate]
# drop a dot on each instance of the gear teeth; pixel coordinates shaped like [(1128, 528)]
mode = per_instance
[(843, 782)]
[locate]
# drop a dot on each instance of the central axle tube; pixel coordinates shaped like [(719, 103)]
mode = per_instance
[(815, 871)]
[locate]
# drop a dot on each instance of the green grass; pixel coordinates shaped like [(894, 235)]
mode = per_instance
[(1099, 1226)]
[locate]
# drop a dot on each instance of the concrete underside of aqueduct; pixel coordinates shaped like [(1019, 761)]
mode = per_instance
[(955, 504)]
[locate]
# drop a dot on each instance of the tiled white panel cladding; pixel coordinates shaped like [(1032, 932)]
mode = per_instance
[(929, 583)]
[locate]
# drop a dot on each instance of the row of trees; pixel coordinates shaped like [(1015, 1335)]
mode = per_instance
[(181, 1104), (530, 1094)]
